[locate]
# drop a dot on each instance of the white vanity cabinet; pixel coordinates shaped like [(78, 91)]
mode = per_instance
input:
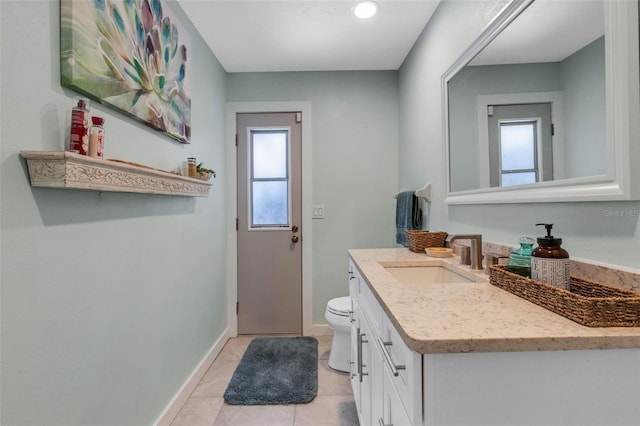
[(472, 354), (385, 373)]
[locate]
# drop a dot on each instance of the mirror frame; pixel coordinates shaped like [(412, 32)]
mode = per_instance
[(622, 84)]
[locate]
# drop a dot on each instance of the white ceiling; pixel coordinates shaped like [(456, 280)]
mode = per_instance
[(308, 35), (547, 31)]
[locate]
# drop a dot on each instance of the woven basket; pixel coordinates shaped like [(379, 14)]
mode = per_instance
[(420, 240), (587, 303)]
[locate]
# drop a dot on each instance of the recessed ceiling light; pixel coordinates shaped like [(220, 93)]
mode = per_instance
[(366, 9)]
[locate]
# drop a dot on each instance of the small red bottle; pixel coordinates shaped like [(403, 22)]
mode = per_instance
[(79, 140)]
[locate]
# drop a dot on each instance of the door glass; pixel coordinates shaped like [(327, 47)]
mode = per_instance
[(269, 181), (518, 153), (270, 155)]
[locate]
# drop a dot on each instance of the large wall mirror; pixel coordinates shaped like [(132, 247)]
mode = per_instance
[(545, 106)]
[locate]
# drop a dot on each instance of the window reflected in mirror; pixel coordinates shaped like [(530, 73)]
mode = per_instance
[(551, 58)]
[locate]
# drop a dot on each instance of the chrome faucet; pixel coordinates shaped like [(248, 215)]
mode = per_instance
[(476, 248)]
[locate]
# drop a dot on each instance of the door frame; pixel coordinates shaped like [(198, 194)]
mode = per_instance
[(231, 199), (557, 118)]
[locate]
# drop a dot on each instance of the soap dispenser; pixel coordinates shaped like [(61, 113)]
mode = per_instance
[(549, 261)]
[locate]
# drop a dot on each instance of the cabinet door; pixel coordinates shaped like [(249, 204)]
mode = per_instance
[(355, 356), (365, 372), (393, 411), (360, 364), (376, 377)]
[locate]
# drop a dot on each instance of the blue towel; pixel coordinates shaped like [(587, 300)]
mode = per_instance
[(408, 216)]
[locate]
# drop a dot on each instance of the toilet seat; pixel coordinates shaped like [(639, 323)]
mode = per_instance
[(340, 306)]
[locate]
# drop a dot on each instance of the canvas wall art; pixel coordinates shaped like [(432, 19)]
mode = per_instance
[(132, 55)]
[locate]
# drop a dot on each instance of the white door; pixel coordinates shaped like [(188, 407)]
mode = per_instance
[(269, 223)]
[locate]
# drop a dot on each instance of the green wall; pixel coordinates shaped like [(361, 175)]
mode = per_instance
[(583, 82), (109, 300), (354, 170)]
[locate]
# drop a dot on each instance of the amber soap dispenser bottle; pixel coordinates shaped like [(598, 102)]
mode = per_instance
[(549, 261)]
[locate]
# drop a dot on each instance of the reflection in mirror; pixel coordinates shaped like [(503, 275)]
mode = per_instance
[(530, 106), (579, 164)]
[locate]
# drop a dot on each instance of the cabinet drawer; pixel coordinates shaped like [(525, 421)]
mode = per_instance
[(405, 369), (353, 280), (371, 308), (361, 293)]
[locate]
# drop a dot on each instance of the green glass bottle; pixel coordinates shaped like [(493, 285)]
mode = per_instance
[(520, 258)]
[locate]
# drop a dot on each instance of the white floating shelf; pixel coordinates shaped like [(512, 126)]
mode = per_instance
[(68, 170)]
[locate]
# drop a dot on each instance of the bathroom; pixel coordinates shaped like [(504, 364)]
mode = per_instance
[(111, 300)]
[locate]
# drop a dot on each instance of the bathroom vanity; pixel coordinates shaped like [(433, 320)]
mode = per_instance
[(434, 343)]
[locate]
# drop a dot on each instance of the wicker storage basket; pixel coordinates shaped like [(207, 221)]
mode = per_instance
[(586, 302), (420, 240)]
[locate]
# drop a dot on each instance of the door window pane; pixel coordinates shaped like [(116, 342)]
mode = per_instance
[(269, 154), (509, 179), (517, 146), (269, 178), (270, 203), (518, 153)]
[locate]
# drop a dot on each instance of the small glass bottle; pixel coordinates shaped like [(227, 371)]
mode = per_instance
[(191, 161), (96, 137), (520, 258)]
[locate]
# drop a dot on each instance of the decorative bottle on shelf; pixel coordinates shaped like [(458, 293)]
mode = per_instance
[(96, 137), (520, 258), (79, 138), (550, 262), (192, 167)]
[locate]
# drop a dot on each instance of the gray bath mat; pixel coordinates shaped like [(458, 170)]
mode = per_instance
[(276, 370)]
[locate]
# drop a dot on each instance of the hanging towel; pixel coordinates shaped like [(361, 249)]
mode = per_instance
[(408, 216)]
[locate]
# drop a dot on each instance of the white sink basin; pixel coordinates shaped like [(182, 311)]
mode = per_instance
[(426, 275)]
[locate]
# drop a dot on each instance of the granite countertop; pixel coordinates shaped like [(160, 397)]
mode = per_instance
[(474, 316)]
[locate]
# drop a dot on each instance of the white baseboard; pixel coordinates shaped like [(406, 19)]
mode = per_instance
[(192, 381), (321, 330)]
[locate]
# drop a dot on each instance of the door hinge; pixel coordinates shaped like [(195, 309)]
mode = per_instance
[(236, 139), (298, 117), (237, 308), (553, 130), (236, 223)]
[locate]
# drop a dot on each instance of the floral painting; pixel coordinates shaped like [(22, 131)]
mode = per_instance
[(130, 55)]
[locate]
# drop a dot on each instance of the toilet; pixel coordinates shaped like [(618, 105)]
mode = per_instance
[(337, 316)]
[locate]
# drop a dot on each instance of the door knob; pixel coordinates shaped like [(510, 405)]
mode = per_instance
[(295, 239)]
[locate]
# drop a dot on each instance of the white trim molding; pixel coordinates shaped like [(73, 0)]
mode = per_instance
[(173, 408)]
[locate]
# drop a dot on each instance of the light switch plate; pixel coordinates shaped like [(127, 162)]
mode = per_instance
[(318, 212)]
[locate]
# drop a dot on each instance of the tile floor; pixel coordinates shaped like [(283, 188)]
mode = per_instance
[(334, 405)]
